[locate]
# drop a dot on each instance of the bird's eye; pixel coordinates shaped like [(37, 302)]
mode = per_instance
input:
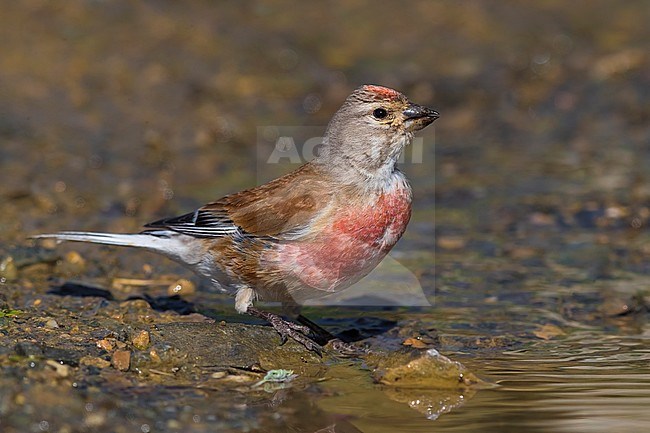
[(380, 113)]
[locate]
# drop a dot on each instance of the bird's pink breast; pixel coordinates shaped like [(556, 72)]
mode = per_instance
[(377, 227), (351, 246)]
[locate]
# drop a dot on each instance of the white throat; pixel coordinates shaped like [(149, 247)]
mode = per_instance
[(383, 178)]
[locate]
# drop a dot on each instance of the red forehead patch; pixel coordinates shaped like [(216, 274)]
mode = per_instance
[(382, 92)]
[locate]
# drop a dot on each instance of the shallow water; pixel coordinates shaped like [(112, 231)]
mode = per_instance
[(589, 382)]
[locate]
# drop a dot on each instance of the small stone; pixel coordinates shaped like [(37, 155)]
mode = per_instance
[(428, 370), (52, 324), (74, 258), (135, 305), (218, 375), (49, 244), (95, 419), (548, 331), (155, 358), (181, 287), (93, 361), (141, 340), (415, 343), (121, 360), (108, 344), (62, 370), (238, 378), (72, 263), (8, 269)]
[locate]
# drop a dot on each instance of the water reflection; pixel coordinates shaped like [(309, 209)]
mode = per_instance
[(574, 385)]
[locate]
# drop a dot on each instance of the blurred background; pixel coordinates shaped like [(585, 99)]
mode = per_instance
[(532, 198), (117, 112)]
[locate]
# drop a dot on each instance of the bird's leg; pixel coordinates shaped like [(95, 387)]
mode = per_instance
[(287, 329), (321, 333), (338, 345)]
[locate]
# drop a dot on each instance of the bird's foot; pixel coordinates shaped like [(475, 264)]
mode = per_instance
[(346, 350), (332, 343), (288, 329)]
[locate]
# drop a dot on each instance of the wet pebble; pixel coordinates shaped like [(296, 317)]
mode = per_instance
[(415, 342), (135, 305), (108, 344), (426, 370), (8, 269), (141, 340), (154, 356), (52, 324), (62, 370), (49, 244), (74, 257), (72, 263), (95, 419), (121, 360), (548, 331), (94, 361)]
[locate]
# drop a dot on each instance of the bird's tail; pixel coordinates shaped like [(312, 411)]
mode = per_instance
[(140, 240), (164, 242)]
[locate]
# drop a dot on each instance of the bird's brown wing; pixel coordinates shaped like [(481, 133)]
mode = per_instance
[(285, 209)]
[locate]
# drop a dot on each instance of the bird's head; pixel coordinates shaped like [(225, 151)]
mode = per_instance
[(372, 127)]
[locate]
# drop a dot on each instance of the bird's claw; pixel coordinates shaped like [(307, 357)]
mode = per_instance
[(287, 329), (346, 350), (295, 332)]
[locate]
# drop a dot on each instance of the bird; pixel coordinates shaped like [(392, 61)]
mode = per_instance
[(312, 232)]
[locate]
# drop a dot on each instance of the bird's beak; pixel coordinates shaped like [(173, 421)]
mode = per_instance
[(418, 117)]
